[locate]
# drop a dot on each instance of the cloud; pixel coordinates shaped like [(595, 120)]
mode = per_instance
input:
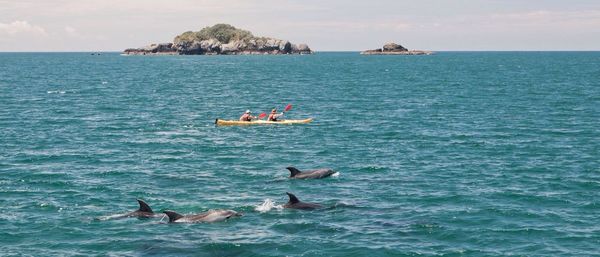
[(353, 25), (82, 36), (546, 18), (394, 26), (518, 24), (70, 30), (21, 28)]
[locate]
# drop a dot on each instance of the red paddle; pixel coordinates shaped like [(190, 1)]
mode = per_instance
[(263, 115), (287, 108)]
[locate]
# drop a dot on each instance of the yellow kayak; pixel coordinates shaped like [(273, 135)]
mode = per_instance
[(259, 122)]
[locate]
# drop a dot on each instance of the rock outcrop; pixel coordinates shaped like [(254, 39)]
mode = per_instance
[(220, 39), (162, 48), (395, 49)]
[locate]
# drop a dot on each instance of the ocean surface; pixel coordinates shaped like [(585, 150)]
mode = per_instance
[(454, 154)]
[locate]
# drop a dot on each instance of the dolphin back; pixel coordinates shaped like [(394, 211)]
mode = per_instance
[(315, 174), (209, 216), (144, 207), (173, 216), (293, 198), (293, 171), (219, 215), (295, 203), (307, 206), (323, 173)]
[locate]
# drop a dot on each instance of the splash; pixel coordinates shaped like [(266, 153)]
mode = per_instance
[(162, 219), (267, 205), (335, 175)]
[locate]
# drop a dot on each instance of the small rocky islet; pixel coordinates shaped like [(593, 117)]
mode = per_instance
[(221, 39), (395, 49)]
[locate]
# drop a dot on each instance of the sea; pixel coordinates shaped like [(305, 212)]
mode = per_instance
[(452, 154)]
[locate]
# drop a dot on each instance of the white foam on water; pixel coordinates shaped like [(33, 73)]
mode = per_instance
[(336, 174), (56, 92), (267, 205), (10, 217)]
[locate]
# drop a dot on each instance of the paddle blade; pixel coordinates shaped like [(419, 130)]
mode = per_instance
[(288, 107), (262, 115)]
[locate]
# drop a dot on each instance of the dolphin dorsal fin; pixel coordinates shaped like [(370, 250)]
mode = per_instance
[(173, 216), (293, 198), (144, 206), (293, 171)]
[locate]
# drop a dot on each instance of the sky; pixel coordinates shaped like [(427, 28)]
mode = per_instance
[(325, 25)]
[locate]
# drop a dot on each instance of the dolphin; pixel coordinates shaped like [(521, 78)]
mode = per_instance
[(209, 216), (143, 212), (320, 173), (294, 203)]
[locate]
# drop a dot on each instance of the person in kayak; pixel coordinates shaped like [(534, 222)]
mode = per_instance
[(274, 115), (247, 116)]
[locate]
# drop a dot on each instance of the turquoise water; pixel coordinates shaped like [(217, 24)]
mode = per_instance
[(455, 154)]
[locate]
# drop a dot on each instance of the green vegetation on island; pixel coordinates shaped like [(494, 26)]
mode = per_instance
[(224, 33)]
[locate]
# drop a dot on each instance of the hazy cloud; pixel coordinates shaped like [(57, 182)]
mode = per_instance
[(352, 25), (70, 30), (17, 28), (550, 18)]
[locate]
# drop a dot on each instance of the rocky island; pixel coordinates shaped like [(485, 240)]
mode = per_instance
[(395, 49), (220, 39)]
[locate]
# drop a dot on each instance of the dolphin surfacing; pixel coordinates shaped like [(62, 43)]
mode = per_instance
[(144, 211), (294, 203), (209, 216), (320, 173)]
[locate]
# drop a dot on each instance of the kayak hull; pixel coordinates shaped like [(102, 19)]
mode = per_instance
[(260, 122)]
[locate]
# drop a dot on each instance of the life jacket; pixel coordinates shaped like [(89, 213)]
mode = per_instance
[(272, 117)]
